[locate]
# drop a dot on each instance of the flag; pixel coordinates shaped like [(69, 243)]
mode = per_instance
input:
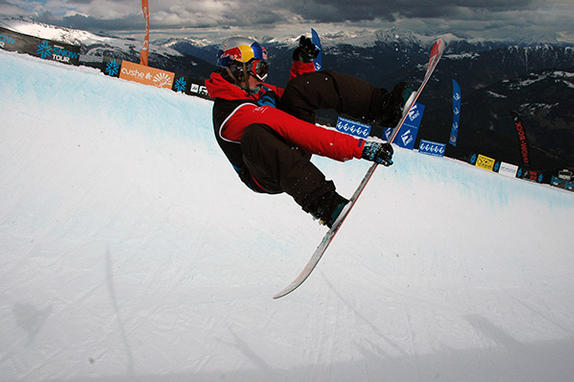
[(318, 61), (408, 133), (522, 140), (144, 53), (456, 97)]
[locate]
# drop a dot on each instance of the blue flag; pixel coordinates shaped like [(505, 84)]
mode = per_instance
[(456, 97), (318, 61), (410, 128)]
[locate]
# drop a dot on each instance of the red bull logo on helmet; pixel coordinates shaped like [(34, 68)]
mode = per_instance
[(242, 52)]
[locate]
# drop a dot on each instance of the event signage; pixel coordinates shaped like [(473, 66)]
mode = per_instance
[(456, 98), (348, 126), (508, 169), (521, 132), (198, 90), (485, 162), (410, 128), (146, 75), (46, 49), (432, 148)]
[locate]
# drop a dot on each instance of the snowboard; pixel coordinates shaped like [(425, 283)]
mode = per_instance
[(435, 55)]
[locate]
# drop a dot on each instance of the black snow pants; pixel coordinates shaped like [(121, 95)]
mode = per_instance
[(276, 165)]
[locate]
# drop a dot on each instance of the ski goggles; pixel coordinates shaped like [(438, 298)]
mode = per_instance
[(258, 69)]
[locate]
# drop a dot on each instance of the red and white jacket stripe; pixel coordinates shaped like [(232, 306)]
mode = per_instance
[(312, 138)]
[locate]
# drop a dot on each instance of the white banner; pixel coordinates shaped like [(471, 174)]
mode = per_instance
[(508, 169)]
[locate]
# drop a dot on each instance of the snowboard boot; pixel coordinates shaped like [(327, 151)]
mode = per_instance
[(328, 207), (391, 109)]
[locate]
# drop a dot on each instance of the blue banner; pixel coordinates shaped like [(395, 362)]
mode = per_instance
[(318, 61), (432, 148), (410, 128), (46, 49), (456, 98), (348, 126)]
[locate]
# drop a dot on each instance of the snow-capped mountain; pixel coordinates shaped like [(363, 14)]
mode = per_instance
[(484, 69), (91, 42), (97, 45)]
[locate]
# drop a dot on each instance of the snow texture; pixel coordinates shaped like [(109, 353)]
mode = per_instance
[(130, 251)]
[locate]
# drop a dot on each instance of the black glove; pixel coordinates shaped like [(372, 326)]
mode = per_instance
[(306, 51), (381, 153)]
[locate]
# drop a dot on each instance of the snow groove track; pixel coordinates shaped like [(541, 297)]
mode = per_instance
[(129, 251)]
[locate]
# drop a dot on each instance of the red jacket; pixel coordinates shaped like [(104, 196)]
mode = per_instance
[(235, 109)]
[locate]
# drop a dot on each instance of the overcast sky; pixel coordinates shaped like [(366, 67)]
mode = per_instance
[(494, 19)]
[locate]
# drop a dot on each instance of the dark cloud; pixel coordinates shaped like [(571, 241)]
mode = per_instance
[(250, 12), (428, 16), (130, 22), (349, 10)]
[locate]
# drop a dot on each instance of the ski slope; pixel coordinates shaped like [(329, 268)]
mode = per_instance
[(130, 251)]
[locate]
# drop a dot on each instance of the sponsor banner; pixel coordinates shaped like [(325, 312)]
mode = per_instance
[(146, 75), (198, 90), (566, 174), (432, 148), (348, 126), (68, 54), (8, 39), (496, 166), (558, 182), (46, 49), (485, 162), (535, 176), (562, 183), (181, 84), (111, 66), (508, 169), (472, 159), (410, 128), (456, 98)]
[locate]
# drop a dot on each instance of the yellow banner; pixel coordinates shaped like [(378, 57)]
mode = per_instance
[(146, 75), (485, 162), (144, 53)]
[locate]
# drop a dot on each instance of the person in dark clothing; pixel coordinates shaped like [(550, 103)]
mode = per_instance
[(269, 133)]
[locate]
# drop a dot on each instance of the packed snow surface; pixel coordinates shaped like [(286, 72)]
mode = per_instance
[(130, 251)]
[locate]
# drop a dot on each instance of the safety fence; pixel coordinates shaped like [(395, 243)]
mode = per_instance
[(38, 47), (148, 75), (70, 54), (510, 170)]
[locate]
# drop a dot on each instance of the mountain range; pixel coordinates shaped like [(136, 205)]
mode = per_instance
[(536, 80)]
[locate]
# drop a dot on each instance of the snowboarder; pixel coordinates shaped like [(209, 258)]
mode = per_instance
[(269, 133)]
